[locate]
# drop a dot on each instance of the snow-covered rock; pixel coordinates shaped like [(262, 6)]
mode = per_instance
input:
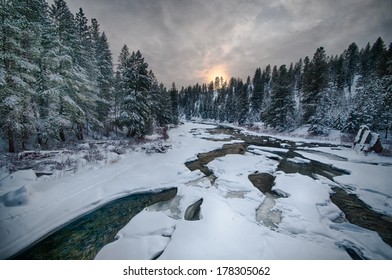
[(367, 141), (16, 180), (18, 197)]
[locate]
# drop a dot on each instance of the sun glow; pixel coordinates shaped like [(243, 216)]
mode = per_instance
[(216, 71)]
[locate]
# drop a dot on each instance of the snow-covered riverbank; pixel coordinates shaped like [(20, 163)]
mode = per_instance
[(228, 228)]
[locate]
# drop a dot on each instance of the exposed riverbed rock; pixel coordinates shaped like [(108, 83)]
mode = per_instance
[(204, 158), (192, 213), (262, 181)]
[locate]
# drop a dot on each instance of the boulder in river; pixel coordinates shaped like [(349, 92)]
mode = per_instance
[(367, 141)]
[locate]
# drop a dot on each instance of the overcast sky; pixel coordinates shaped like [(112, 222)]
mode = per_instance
[(185, 40)]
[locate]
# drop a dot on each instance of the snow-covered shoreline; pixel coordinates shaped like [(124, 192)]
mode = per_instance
[(228, 228), (55, 202)]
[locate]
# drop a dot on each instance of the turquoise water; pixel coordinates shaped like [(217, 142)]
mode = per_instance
[(86, 235)]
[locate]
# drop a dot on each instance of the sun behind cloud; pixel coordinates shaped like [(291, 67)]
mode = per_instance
[(219, 70)]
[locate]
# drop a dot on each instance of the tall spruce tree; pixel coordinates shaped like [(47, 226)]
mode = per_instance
[(105, 76), (87, 74), (20, 30), (351, 64), (257, 95), (242, 101), (174, 104), (280, 113), (314, 83), (70, 114), (135, 113)]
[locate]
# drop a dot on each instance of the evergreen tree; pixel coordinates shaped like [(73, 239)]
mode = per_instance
[(338, 74), (164, 116), (365, 63), (315, 81), (160, 102), (351, 64), (174, 104), (378, 54), (257, 95), (49, 82), (267, 75), (20, 31), (221, 102), (105, 75), (136, 84), (87, 74), (71, 115), (280, 113), (242, 101), (231, 112)]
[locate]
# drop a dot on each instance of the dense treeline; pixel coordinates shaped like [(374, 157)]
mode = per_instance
[(57, 80), (340, 92), (58, 83)]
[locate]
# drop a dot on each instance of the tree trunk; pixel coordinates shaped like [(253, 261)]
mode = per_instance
[(62, 135), (11, 144), (81, 133)]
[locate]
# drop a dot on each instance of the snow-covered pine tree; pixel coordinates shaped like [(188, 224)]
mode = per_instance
[(160, 102), (351, 60), (372, 103), (338, 74), (174, 104), (221, 102), (256, 99), (379, 61), (285, 92), (119, 90), (70, 115), (19, 32), (105, 77), (365, 63), (136, 109), (242, 102), (87, 74), (280, 112), (231, 112), (49, 82), (315, 80), (267, 90)]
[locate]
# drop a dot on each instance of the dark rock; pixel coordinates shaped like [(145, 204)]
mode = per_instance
[(262, 181), (192, 213)]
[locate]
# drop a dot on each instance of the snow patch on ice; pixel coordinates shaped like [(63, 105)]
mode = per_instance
[(299, 160), (143, 238)]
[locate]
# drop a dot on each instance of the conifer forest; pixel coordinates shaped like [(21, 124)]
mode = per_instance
[(59, 82)]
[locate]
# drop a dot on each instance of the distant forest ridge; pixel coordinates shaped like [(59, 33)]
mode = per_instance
[(339, 92), (58, 84)]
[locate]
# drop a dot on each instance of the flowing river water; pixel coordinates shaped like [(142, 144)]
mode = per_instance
[(86, 235)]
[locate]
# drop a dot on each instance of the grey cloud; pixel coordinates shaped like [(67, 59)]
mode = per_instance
[(181, 39)]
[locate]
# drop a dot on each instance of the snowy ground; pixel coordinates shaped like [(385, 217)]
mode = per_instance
[(231, 224)]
